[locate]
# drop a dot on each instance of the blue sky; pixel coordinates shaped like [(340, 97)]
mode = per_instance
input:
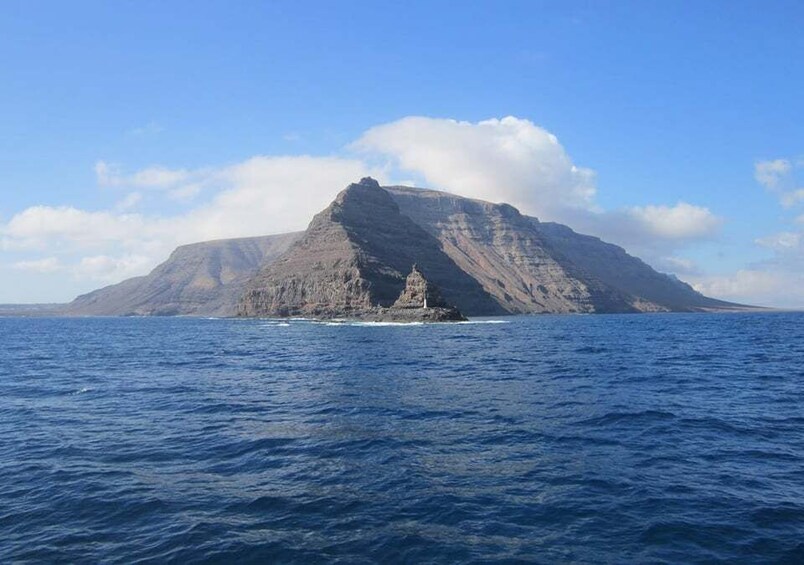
[(124, 116)]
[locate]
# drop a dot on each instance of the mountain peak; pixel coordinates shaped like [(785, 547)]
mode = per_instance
[(368, 181)]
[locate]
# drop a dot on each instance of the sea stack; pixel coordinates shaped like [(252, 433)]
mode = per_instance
[(420, 301)]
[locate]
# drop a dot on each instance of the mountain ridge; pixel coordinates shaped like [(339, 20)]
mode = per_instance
[(486, 258), (203, 279)]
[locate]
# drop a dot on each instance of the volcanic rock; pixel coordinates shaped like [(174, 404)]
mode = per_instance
[(353, 259), (201, 279)]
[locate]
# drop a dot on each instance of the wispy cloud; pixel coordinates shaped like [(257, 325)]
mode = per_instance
[(781, 177), (151, 128), (259, 196), (44, 265)]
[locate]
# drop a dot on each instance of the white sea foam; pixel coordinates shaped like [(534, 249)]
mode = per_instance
[(381, 324), (356, 323)]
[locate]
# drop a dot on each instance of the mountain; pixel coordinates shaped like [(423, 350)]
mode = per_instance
[(201, 279), (532, 266), (512, 260), (613, 266), (356, 255), (486, 258)]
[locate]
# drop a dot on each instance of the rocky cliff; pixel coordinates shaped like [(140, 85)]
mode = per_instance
[(202, 279), (530, 266), (355, 257)]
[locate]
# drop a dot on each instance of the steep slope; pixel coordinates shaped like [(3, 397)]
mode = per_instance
[(612, 265), (355, 256), (512, 260), (544, 267), (201, 279)]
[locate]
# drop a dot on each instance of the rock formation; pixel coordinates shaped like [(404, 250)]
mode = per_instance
[(531, 266), (419, 293), (202, 279), (420, 301), (355, 261), (354, 258)]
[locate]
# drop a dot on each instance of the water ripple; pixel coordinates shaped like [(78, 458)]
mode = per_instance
[(583, 439)]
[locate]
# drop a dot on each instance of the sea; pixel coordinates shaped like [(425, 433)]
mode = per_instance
[(662, 438)]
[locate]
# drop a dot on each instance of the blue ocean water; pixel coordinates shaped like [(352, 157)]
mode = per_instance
[(549, 439)]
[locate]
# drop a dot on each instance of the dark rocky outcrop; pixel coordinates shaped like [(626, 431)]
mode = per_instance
[(354, 258), (419, 293), (421, 299)]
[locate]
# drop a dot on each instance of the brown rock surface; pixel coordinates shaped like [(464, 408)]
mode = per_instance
[(353, 258), (201, 279), (509, 257)]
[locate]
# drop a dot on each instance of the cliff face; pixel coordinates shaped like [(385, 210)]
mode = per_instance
[(530, 266), (202, 279), (354, 257), (614, 267), (511, 257)]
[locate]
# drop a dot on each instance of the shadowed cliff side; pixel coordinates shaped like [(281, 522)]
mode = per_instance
[(511, 259), (531, 266), (355, 256)]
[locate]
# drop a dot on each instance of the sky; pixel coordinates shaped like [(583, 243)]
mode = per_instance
[(674, 129)]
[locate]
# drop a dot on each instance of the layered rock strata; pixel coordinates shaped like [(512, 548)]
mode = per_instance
[(353, 259), (201, 279)]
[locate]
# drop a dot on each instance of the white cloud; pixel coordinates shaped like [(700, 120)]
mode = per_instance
[(152, 177), (109, 269), (783, 241), (45, 265), (740, 285), (68, 227), (763, 287), (513, 160), (778, 176), (503, 160), (679, 222), (770, 173), (131, 200), (185, 193)]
